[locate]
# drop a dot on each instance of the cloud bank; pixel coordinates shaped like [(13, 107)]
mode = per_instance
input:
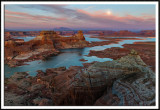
[(61, 15)]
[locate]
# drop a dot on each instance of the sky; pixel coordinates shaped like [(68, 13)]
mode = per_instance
[(80, 16)]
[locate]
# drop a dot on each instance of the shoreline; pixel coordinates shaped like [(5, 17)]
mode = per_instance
[(145, 49), (85, 85), (45, 45), (15, 63)]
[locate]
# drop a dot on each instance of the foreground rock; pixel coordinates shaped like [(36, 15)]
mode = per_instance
[(126, 81)]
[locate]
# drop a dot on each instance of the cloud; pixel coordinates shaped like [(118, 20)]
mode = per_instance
[(101, 19), (12, 14), (112, 20), (78, 18), (25, 20), (90, 7)]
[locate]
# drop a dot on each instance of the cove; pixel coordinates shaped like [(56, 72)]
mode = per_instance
[(68, 57)]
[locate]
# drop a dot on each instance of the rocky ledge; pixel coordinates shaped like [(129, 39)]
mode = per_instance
[(127, 81)]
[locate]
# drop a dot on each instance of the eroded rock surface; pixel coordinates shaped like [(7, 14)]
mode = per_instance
[(126, 81)]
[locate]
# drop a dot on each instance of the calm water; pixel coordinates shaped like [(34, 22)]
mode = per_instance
[(69, 57), (25, 38)]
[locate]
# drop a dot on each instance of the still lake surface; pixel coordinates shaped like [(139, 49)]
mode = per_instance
[(68, 57)]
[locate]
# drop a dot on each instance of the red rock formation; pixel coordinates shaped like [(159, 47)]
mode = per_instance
[(79, 36), (10, 43), (124, 33), (75, 41), (146, 51), (38, 48), (147, 33), (44, 45)]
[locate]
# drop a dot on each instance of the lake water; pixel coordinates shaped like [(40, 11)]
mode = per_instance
[(69, 57), (25, 38)]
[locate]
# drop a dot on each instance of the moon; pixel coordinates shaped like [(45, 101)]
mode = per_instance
[(108, 12)]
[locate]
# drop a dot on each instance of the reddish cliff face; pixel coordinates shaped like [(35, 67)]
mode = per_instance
[(75, 41), (10, 43), (9, 49), (39, 48), (44, 45), (46, 37), (51, 38), (79, 35)]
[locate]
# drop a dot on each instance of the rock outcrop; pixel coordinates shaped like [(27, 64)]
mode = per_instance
[(79, 35), (126, 81), (135, 84), (75, 41), (146, 51), (41, 47), (122, 33)]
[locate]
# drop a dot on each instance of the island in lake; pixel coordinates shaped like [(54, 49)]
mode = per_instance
[(79, 67)]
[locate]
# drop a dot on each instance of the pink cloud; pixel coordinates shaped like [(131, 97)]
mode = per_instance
[(126, 19), (28, 25), (78, 19), (10, 14)]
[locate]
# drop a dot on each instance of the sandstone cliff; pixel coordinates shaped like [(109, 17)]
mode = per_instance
[(41, 47)]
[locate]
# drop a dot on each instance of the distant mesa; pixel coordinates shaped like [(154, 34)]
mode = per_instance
[(62, 29), (123, 33), (70, 32)]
